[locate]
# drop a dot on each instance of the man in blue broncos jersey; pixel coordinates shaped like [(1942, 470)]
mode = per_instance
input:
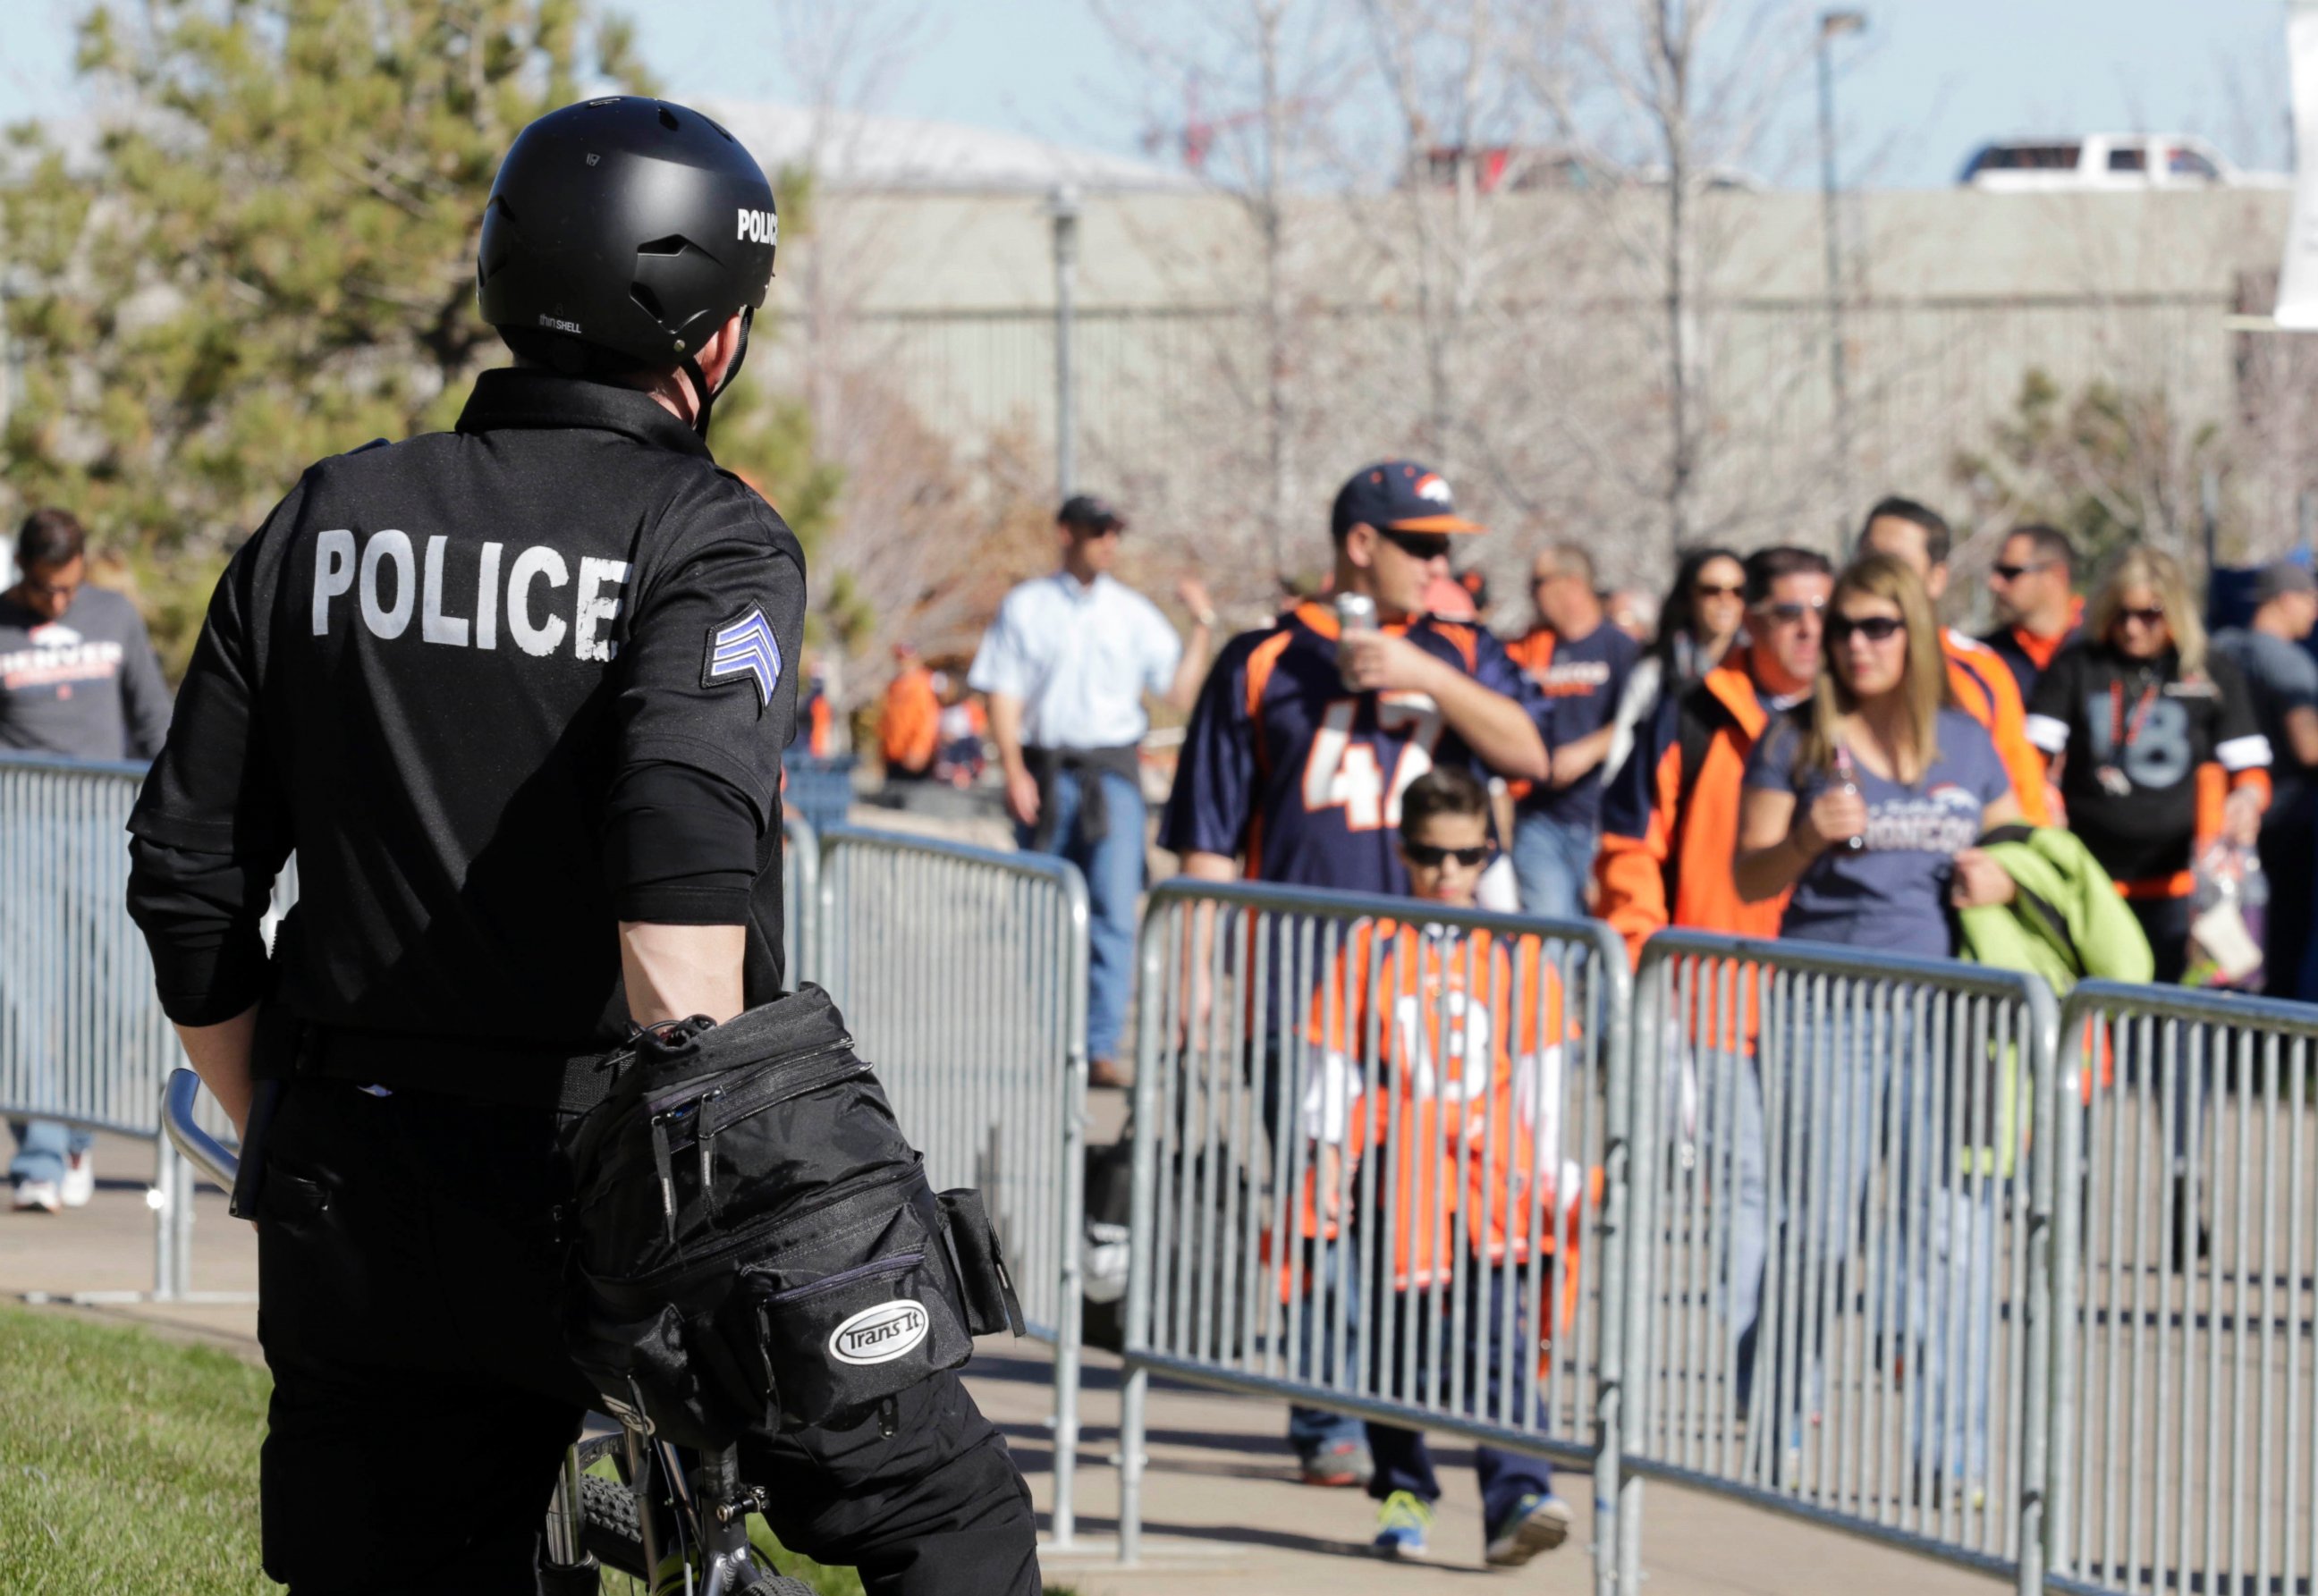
[(1303, 741)]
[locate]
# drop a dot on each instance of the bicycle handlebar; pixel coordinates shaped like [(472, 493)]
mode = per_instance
[(204, 1151)]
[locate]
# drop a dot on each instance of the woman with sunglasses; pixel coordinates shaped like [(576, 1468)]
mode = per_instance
[(2154, 744), (1697, 625), (1867, 802)]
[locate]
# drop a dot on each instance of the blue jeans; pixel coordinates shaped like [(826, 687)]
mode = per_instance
[(1552, 861), (1332, 1268), (1858, 1093), (1113, 866), (41, 1148), (1403, 1462)]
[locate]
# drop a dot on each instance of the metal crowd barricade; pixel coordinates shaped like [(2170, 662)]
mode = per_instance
[(962, 973), (1380, 1168), (82, 1039), (2184, 1418), (1843, 1187), (800, 896)]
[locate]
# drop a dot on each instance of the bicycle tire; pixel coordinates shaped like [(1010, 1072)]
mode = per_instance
[(607, 1527)]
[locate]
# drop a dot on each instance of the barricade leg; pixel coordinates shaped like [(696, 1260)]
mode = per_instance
[(1131, 1400), (181, 1215), (167, 1282), (1070, 1333)]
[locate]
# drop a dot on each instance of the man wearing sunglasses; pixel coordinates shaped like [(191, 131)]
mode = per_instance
[(2038, 611), (1917, 536), (1670, 815), (1307, 735)]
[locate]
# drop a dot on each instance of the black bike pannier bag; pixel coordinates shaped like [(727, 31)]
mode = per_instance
[(756, 1244)]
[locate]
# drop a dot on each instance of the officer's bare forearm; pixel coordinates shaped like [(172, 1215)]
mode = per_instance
[(673, 971), (221, 1056), (1006, 731), (1492, 725)]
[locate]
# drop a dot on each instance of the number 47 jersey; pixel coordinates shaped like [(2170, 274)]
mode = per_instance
[(1282, 766)]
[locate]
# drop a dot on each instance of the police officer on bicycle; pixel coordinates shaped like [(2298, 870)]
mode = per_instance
[(515, 695)]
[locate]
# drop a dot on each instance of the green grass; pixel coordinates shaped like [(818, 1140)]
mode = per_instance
[(129, 1463), (126, 1464)]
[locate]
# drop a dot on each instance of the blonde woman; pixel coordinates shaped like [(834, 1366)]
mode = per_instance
[(1867, 802), (2153, 742), (1868, 799)]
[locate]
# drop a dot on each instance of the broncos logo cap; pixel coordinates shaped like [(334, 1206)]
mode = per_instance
[(1397, 496)]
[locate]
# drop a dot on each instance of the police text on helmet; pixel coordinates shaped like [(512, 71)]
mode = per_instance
[(759, 227)]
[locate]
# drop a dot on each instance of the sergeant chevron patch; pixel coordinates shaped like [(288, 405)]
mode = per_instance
[(743, 648)]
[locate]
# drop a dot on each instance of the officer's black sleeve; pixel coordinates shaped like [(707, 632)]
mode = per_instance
[(706, 702), (211, 826)]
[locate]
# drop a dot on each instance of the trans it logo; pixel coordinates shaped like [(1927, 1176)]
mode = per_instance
[(744, 650), (879, 1335)]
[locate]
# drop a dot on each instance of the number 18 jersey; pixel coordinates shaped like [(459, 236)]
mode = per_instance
[(1284, 765)]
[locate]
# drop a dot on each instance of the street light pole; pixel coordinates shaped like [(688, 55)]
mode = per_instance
[(1833, 26), (1063, 206)]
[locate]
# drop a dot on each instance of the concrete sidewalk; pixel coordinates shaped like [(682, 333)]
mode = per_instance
[(1222, 1511)]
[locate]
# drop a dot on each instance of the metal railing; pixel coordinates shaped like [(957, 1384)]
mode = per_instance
[(1840, 1239), (962, 973), (82, 1039), (1378, 1166), (2185, 1410)]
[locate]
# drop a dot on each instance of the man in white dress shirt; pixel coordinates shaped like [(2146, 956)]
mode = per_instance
[(1066, 665)]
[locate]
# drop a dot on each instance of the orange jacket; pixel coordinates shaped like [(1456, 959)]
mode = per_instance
[(1986, 690), (1470, 1135), (911, 725), (1669, 833)]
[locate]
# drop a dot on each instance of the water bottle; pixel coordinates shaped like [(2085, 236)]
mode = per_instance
[(1857, 843), (1356, 613)]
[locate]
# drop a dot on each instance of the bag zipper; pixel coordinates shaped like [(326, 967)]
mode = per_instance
[(692, 1089), (755, 1237), (667, 1110), (883, 1266)]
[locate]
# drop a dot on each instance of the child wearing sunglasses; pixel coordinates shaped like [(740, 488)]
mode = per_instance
[(1431, 1122)]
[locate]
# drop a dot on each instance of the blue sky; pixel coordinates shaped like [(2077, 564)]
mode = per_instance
[(1930, 79)]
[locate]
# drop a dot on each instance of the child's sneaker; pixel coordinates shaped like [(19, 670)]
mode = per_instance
[(79, 1183), (37, 1197), (1536, 1524), (1403, 1522)]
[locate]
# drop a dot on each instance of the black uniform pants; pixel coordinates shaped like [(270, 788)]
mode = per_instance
[(409, 1281)]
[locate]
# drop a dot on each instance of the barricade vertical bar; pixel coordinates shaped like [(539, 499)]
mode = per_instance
[(1070, 1224), (164, 1199), (1164, 926)]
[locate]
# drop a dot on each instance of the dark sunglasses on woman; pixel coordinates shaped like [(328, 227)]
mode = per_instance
[(1875, 629)]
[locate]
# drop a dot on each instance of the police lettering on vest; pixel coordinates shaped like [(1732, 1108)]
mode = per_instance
[(393, 582)]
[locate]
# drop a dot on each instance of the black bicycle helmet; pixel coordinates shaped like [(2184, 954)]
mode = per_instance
[(620, 235)]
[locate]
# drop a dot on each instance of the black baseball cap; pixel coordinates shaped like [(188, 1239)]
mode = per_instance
[(1397, 496), (1090, 512), (2277, 581)]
